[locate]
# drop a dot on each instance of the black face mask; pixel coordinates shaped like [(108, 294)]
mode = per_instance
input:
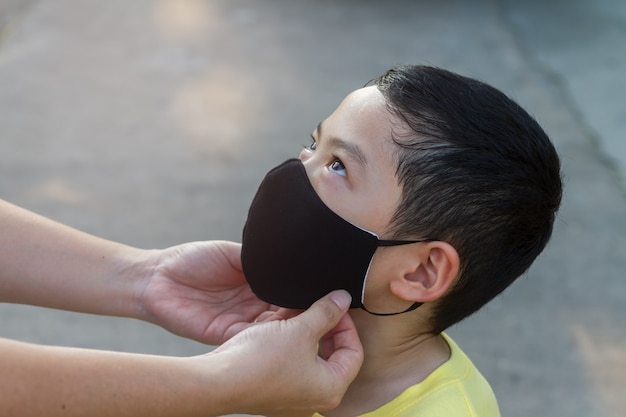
[(296, 250)]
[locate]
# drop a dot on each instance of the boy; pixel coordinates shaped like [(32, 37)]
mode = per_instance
[(424, 195)]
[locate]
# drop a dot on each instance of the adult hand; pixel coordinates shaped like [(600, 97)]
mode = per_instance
[(277, 366), (271, 369), (198, 290)]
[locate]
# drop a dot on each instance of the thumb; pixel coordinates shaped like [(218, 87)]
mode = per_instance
[(325, 313), (343, 354)]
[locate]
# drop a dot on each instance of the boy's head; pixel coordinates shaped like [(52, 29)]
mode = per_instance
[(477, 172), (427, 154)]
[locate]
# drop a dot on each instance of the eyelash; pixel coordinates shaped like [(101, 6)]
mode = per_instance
[(311, 148)]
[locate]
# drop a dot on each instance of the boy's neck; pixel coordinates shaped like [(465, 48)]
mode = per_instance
[(398, 354)]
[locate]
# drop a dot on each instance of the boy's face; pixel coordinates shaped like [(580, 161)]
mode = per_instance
[(350, 162)]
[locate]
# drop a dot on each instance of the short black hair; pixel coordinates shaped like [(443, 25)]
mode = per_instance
[(476, 171)]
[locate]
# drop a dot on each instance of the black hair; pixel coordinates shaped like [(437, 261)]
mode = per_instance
[(476, 171)]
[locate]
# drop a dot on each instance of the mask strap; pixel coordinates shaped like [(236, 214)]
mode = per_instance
[(402, 242), (411, 308), (398, 243)]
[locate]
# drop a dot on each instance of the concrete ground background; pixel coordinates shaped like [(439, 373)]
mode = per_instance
[(152, 122)]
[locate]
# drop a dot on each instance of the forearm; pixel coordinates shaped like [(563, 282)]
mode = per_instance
[(48, 264), (39, 380), (269, 369)]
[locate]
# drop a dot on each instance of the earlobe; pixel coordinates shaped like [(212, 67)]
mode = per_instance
[(433, 272)]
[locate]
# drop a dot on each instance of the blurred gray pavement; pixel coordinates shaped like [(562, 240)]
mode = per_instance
[(152, 122)]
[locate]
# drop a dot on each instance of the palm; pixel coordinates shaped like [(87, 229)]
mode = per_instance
[(198, 290)]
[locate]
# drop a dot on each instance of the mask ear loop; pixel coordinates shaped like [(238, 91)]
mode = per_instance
[(403, 242), (398, 243), (411, 308)]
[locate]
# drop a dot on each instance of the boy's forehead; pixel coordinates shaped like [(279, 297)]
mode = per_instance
[(363, 115), (366, 95), (365, 105)]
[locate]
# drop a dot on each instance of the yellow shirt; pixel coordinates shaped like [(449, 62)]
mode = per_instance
[(455, 389)]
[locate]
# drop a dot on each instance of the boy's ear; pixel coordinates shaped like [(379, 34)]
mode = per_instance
[(430, 270)]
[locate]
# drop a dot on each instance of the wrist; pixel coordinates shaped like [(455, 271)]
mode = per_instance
[(131, 269), (215, 384)]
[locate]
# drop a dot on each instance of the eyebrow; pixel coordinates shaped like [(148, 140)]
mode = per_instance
[(351, 148)]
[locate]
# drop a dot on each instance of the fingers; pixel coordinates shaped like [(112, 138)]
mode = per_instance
[(281, 356), (325, 313), (231, 251), (340, 341), (276, 313), (345, 352)]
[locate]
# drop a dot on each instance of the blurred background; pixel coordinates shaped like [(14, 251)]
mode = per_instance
[(152, 123)]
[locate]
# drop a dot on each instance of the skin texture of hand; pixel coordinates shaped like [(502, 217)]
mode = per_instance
[(197, 290), (270, 369), (279, 360)]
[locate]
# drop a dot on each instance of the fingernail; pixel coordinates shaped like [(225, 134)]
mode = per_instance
[(341, 298)]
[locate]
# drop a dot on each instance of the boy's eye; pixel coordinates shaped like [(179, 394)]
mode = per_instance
[(312, 146), (338, 168)]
